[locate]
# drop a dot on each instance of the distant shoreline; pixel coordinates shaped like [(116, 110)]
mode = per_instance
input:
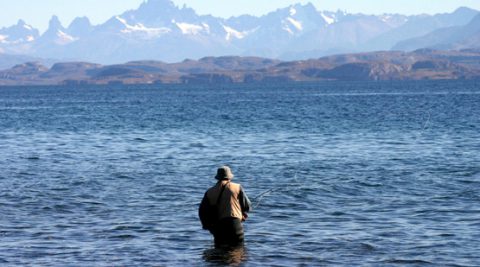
[(424, 64)]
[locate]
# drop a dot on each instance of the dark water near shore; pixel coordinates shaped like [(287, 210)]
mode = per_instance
[(370, 174)]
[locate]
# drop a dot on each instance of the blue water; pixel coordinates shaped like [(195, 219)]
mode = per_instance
[(341, 174)]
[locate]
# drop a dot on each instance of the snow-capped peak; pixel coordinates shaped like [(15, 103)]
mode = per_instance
[(18, 33), (23, 24)]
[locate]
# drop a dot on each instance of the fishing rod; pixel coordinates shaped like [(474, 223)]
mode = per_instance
[(257, 200)]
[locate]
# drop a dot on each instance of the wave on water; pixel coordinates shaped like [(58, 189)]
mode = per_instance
[(339, 174)]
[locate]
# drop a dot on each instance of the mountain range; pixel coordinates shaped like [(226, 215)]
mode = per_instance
[(159, 30)]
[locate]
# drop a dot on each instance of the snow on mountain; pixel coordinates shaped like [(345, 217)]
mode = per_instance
[(329, 20), (193, 29), (149, 33), (19, 33), (56, 34), (64, 38), (295, 23), (345, 35), (232, 33), (138, 30), (275, 32), (160, 30), (3, 38)]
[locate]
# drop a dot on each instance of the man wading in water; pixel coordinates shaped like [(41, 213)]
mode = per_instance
[(223, 209)]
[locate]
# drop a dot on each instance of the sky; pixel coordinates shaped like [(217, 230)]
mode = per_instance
[(38, 12)]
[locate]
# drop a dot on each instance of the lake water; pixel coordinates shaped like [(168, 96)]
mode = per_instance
[(340, 174)]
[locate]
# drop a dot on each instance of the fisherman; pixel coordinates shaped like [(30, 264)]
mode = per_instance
[(223, 209)]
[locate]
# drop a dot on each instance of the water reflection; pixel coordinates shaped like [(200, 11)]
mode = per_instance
[(226, 255)]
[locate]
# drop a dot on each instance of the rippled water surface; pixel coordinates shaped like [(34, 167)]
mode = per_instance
[(340, 174)]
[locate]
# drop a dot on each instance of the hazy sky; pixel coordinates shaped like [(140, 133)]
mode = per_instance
[(38, 12)]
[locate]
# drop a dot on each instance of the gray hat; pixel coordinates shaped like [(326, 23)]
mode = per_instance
[(224, 173)]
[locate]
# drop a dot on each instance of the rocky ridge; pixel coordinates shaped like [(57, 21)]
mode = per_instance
[(388, 65)]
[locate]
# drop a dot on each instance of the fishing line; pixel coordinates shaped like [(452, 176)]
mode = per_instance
[(425, 125)]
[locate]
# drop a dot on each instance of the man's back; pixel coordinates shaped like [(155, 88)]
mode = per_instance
[(230, 205), (229, 201)]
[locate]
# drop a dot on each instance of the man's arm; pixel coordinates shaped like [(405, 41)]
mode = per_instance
[(245, 203), (203, 212)]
